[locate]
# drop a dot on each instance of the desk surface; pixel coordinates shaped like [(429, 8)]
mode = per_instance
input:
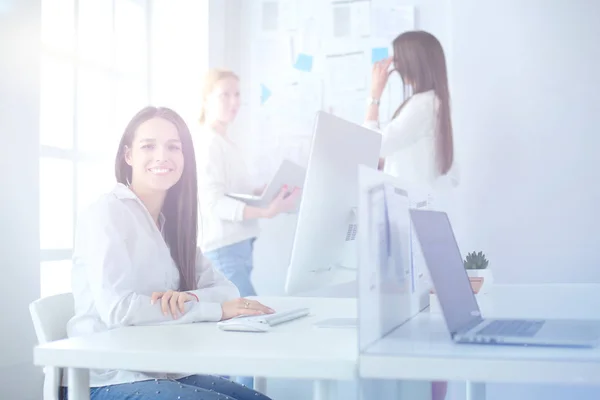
[(296, 349), (421, 348)]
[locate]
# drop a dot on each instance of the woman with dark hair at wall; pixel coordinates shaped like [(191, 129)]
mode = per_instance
[(418, 144), (135, 260)]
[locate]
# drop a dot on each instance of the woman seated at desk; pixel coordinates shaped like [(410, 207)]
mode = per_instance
[(135, 261)]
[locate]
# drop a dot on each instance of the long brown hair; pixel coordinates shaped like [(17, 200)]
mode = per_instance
[(419, 59), (210, 80), (181, 203)]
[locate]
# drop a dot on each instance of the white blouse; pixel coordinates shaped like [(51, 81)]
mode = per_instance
[(120, 258), (409, 146), (221, 170)]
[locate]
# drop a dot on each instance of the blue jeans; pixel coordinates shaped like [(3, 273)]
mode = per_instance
[(195, 387), (235, 262)]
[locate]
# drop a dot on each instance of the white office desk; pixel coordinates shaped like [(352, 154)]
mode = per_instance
[(421, 349), (295, 350)]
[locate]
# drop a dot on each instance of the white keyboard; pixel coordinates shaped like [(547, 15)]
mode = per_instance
[(283, 316), (278, 317), (261, 323)]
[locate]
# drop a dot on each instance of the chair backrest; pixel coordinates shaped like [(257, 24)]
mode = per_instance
[(50, 316)]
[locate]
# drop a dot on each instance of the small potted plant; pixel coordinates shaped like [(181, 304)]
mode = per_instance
[(476, 265)]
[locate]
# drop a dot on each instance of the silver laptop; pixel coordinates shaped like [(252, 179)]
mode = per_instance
[(289, 173), (460, 308)]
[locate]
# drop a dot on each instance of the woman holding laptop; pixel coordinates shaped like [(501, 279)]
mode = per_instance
[(417, 145), (229, 226)]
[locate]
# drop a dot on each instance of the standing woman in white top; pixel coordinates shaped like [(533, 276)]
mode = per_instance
[(417, 145), (229, 227), (135, 261)]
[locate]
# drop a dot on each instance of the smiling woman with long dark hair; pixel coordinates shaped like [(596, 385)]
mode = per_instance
[(135, 260)]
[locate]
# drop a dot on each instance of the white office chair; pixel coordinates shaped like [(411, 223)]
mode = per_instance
[(50, 316)]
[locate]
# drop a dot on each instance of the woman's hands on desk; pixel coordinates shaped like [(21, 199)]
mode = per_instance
[(237, 307), (172, 301)]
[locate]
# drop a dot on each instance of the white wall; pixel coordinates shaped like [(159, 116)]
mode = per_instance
[(526, 99), (179, 49), (525, 89), (19, 244)]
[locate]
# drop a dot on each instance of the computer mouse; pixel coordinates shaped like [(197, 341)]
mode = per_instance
[(244, 325)]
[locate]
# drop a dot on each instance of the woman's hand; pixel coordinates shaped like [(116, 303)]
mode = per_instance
[(172, 301), (284, 202), (241, 306), (379, 77)]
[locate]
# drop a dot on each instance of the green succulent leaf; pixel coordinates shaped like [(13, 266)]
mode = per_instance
[(475, 260)]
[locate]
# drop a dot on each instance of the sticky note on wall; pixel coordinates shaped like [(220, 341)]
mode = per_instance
[(265, 93), (304, 62), (378, 54)]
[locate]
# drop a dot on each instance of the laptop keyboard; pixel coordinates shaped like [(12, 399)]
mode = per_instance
[(520, 328)]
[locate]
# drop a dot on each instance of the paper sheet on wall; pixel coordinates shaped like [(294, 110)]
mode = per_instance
[(349, 106), (270, 16), (292, 106), (341, 21), (303, 99), (346, 85), (361, 18), (350, 20), (272, 60), (309, 41), (288, 15), (388, 19), (346, 72)]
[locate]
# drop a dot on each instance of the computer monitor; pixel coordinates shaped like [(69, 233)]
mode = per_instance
[(324, 251)]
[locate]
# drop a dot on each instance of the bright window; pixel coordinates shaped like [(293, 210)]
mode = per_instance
[(94, 77), (101, 62)]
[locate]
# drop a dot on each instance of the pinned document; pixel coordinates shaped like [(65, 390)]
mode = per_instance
[(270, 16), (388, 19), (378, 54), (265, 93), (304, 62)]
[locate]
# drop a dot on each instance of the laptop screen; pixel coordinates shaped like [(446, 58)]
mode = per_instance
[(446, 268)]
